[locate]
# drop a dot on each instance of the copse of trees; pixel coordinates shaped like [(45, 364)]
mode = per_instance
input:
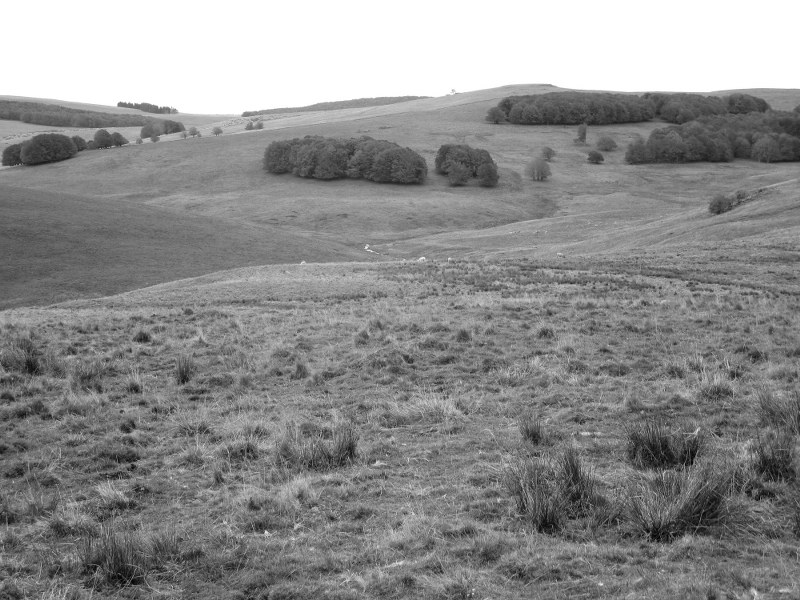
[(60, 116), (336, 158), (682, 108), (147, 107), (573, 108), (46, 148), (767, 137), (161, 127), (461, 163), (102, 139)]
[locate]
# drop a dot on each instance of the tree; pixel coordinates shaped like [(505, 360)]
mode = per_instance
[(259, 125), (11, 155), (249, 126), (102, 139), (118, 139), (548, 153), (496, 115), (184, 134), (217, 131), (581, 139), (538, 169), (487, 175), (606, 144), (458, 173), (193, 131), (79, 142), (47, 147), (595, 157), (766, 150), (154, 138)]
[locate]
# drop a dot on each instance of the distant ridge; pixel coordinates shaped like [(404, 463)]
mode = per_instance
[(356, 103)]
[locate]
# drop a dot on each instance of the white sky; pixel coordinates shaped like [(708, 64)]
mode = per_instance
[(232, 56)]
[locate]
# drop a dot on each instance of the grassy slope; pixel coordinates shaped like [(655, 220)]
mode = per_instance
[(59, 246)]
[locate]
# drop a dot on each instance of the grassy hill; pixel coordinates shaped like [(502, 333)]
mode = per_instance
[(57, 246)]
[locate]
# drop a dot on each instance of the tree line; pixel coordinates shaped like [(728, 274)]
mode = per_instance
[(572, 108), (60, 116), (772, 136), (55, 147), (147, 107), (335, 105), (336, 158), (461, 162)]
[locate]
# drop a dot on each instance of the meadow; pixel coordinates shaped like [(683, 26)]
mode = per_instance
[(589, 389)]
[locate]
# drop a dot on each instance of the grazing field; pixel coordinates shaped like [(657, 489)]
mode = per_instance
[(590, 388), (441, 430)]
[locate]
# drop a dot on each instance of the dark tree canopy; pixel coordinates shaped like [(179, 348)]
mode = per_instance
[(102, 139), (161, 127), (572, 108), (466, 161), (147, 107), (11, 155), (595, 157), (682, 108), (335, 158), (79, 142), (217, 131), (496, 115), (117, 139), (47, 147)]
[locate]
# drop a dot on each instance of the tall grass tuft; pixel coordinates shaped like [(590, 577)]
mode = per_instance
[(295, 451), (780, 412), (669, 504), (22, 356), (531, 429), (116, 558), (184, 368), (576, 484), (538, 502), (774, 453), (651, 445)]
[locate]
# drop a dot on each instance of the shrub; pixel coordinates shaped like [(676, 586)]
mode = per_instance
[(457, 174), (217, 131), (193, 131), (117, 139), (155, 138), (595, 157), (487, 175), (139, 141), (79, 142), (720, 204), (548, 153), (11, 155), (248, 126), (581, 139), (103, 139), (572, 108), (538, 169), (495, 115), (259, 125), (47, 147), (671, 503), (606, 144), (184, 368)]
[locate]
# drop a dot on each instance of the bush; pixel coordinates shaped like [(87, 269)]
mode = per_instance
[(606, 144), (457, 173), (487, 175), (538, 169), (155, 138), (79, 142), (720, 204), (217, 131), (103, 139), (117, 139), (548, 153), (46, 148), (581, 139), (496, 115), (248, 126), (11, 155), (595, 157)]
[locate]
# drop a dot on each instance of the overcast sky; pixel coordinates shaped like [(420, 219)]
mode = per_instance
[(232, 56)]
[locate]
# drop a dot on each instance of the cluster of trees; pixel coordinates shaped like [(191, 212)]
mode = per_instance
[(461, 162), (42, 148), (147, 107), (766, 137), (572, 108), (682, 108), (104, 139), (254, 125), (161, 127), (61, 116), (335, 158)]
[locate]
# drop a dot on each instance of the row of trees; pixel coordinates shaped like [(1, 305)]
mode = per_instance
[(42, 148), (461, 162), (335, 105), (161, 127), (335, 158), (60, 116), (571, 108), (766, 137), (147, 107)]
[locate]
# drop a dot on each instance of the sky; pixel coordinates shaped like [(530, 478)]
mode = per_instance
[(228, 57)]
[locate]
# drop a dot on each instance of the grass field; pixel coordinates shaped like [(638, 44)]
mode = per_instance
[(596, 396)]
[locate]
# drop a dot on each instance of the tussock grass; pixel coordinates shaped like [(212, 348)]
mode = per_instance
[(576, 484), (88, 375), (668, 504), (185, 368), (531, 428), (538, 502), (423, 406), (21, 355), (774, 454), (296, 451), (780, 411), (116, 558), (651, 445)]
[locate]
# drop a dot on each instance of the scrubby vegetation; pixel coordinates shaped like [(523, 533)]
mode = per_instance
[(766, 137), (572, 108), (461, 163), (336, 105), (335, 158), (147, 107)]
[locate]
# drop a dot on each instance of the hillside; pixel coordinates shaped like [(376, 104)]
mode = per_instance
[(57, 246)]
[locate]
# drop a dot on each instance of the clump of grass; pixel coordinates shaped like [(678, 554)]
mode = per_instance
[(463, 336), (716, 388), (88, 374), (362, 338), (779, 412), (142, 337), (424, 405), (576, 484), (300, 370), (531, 428), (185, 368), (545, 333), (773, 455), (669, 504), (297, 451), (651, 445), (111, 497), (134, 381), (529, 482), (21, 356), (115, 558)]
